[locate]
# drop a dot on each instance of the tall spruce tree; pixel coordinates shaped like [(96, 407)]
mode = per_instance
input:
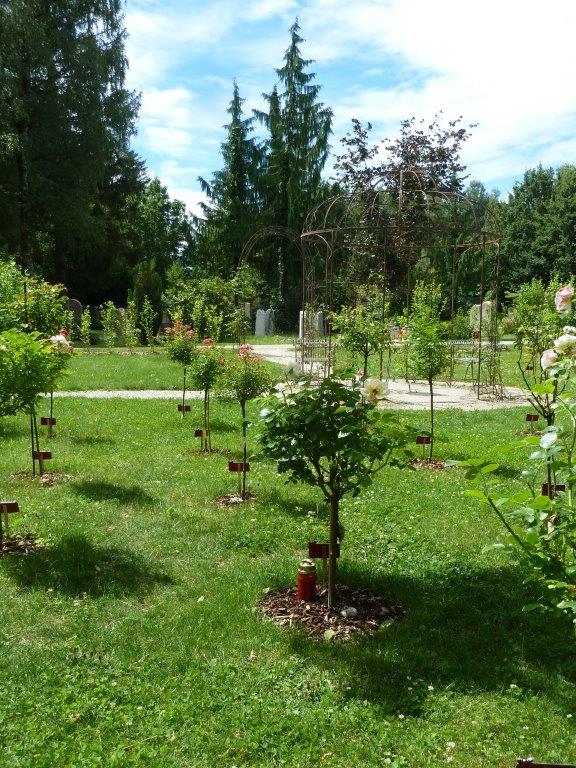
[(65, 122), (296, 152), (233, 194)]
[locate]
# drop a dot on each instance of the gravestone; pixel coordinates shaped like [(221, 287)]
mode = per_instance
[(260, 324), (247, 310), (75, 308), (269, 327), (95, 317), (311, 324)]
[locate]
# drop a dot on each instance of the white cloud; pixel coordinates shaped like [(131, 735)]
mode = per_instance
[(265, 9), (507, 65)]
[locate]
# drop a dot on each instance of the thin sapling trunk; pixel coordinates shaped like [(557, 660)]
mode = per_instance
[(244, 449), (332, 554), (430, 384)]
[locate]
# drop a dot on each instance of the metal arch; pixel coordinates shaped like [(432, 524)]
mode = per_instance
[(333, 221)]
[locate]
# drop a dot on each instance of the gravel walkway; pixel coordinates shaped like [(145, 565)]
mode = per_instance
[(401, 396)]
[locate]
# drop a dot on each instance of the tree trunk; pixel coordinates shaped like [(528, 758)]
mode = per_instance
[(431, 419), (333, 549), (22, 130), (244, 449), (184, 392)]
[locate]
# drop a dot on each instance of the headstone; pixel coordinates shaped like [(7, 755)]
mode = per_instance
[(247, 310), (74, 306), (166, 321), (260, 325), (269, 327), (95, 316), (311, 324)]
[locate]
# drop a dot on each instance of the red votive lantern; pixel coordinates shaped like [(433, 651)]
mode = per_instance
[(306, 581)]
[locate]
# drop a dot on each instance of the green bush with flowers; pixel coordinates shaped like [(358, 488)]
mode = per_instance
[(30, 365), (182, 347), (334, 438), (246, 378), (540, 521), (207, 366)]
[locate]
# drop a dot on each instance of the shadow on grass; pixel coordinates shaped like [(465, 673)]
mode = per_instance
[(219, 425), (75, 566), (284, 501), (464, 630), (99, 490)]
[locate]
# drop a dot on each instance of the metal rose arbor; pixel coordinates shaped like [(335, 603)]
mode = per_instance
[(402, 225)]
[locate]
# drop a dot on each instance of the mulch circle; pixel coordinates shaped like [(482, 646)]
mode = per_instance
[(20, 544), (46, 479), (320, 623), (426, 464), (231, 499), (213, 452)]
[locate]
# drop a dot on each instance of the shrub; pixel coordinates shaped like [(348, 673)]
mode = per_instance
[(331, 437)]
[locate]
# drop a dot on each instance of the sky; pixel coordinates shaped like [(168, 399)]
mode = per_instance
[(507, 65)]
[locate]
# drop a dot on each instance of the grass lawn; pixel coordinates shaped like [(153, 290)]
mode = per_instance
[(119, 368), (133, 638)]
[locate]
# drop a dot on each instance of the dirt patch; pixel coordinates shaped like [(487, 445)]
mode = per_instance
[(47, 479), (214, 452), (231, 499), (21, 545), (427, 464), (338, 623)]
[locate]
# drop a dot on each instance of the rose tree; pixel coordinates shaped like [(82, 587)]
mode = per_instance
[(246, 378), (332, 438), (206, 368), (181, 344)]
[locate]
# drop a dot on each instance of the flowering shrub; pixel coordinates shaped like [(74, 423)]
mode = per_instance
[(428, 353), (541, 521), (537, 322), (206, 368), (181, 345), (333, 438), (359, 332), (246, 378), (29, 366)]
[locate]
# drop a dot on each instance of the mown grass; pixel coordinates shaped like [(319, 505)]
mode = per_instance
[(119, 368), (133, 639)]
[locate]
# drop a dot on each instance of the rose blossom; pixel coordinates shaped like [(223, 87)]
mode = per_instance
[(566, 343), (549, 357), (563, 299), (375, 390)]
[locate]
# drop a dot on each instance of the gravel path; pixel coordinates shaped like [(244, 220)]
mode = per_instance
[(415, 397)]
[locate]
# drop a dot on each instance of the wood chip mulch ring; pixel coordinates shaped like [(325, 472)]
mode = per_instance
[(46, 479), (231, 499), (319, 623), (21, 545), (213, 452), (426, 464)]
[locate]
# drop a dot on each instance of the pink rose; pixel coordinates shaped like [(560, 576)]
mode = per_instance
[(549, 357), (563, 299)]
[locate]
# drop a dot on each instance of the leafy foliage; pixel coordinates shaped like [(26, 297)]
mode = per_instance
[(29, 366), (331, 438)]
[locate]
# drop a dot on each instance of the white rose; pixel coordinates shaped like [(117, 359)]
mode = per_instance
[(549, 357), (566, 343)]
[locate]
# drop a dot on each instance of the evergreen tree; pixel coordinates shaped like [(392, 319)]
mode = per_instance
[(296, 152), (231, 213), (65, 123)]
